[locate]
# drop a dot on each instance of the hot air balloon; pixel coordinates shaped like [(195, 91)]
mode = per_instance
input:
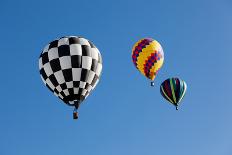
[(173, 90), (148, 57), (70, 67)]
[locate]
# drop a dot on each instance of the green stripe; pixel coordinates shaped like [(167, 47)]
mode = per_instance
[(181, 89), (166, 95), (184, 88), (173, 91)]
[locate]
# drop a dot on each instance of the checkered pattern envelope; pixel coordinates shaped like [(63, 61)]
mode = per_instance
[(70, 67)]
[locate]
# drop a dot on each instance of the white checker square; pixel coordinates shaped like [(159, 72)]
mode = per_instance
[(63, 41), (89, 88), (90, 77), (59, 88), (48, 69), (53, 53), (65, 62), (60, 96), (75, 49), (40, 63), (69, 84), (76, 90), (66, 92), (46, 48), (94, 53), (83, 92), (86, 62), (59, 77), (76, 74), (82, 84), (98, 70), (84, 41)]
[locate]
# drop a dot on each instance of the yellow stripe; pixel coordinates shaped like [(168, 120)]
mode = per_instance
[(166, 95), (173, 93), (146, 52)]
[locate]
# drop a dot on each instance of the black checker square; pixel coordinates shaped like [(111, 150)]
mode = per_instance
[(76, 84), (81, 90), (94, 80), (44, 75), (56, 91), (88, 86), (63, 86), (71, 91), (84, 74), (52, 78), (86, 50), (67, 75), (53, 44), (45, 58), (55, 65), (76, 61), (94, 65), (62, 94), (74, 40), (64, 50)]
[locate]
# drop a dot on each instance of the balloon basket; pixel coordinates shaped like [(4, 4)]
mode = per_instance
[(152, 84), (75, 115)]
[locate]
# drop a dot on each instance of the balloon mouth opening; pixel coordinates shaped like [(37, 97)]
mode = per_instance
[(75, 103), (73, 99)]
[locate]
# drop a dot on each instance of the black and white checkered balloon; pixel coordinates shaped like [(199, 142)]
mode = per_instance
[(70, 67)]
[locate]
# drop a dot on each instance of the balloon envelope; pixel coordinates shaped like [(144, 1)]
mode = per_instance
[(70, 67), (173, 90), (148, 57)]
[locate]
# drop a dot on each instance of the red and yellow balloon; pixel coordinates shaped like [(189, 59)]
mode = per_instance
[(148, 57)]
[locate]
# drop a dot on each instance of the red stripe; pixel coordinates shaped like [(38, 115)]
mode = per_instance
[(167, 89)]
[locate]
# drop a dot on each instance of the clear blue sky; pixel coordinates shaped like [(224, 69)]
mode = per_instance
[(124, 115)]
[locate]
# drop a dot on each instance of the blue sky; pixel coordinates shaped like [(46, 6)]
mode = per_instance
[(123, 115)]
